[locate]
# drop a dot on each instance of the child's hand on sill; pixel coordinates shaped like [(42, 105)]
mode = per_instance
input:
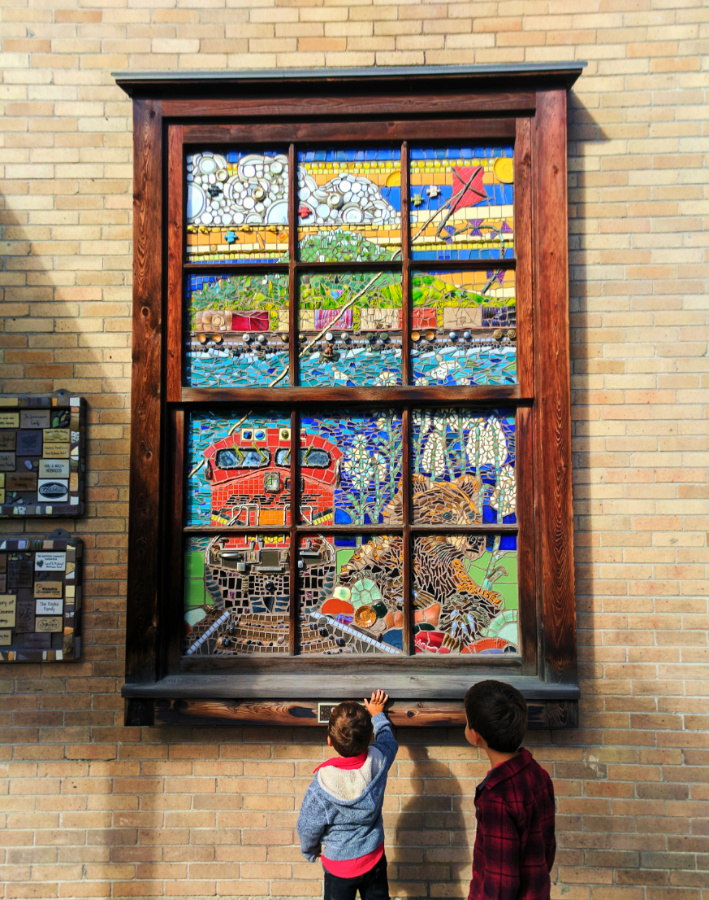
[(376, 703)]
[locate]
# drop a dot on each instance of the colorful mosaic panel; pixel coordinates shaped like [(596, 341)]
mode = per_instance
[(42, 455), (464, 466), (464, 327), (238, 469), (237, 206), (351, 468), (351, 594), (462, 202), (40, 600), (350, 329), (237, 595), (236, 330), (349, 204), (465, 594)]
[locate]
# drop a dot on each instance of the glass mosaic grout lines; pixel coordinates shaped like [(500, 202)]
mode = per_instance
[(238, 590)]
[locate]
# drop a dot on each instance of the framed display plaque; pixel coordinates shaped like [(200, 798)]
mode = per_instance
[(42, 447), (40, 599)]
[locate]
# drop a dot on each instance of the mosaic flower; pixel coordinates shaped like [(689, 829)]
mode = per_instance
[(363, 465), (489, 446), (434, 455), (388, 377), (504, 496)]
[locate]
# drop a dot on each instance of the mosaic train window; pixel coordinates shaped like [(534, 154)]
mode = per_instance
[(381, 528), (349, 598)]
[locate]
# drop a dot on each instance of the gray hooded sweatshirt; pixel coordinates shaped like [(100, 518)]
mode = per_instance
[(343, 807)]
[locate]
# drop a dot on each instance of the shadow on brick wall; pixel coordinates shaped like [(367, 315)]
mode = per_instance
[(435, 828)]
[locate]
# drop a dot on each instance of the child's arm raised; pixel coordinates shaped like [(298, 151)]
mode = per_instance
[(311, 825), (384, 739)]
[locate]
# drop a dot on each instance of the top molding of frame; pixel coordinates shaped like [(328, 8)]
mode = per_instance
[(528, 76)]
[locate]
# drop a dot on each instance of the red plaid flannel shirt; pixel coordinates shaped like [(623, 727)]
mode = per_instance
[(514, 844)]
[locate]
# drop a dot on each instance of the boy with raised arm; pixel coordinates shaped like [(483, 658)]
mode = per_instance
[(341, 817)]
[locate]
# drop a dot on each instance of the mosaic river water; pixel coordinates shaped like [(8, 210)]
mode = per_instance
[(448, 365)]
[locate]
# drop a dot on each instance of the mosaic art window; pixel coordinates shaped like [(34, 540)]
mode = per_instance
[(350, 397), (379, 524)]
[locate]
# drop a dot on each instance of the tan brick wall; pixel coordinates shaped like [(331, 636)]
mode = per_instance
[(92, 809)]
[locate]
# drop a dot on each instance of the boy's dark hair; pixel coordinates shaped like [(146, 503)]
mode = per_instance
[(498, 712), (350, 728)]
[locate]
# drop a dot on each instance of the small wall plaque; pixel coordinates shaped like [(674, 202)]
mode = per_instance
[(325, 710), (40, 611), (42, 455)]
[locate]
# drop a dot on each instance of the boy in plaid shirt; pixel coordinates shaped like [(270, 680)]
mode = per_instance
[(514, 804)]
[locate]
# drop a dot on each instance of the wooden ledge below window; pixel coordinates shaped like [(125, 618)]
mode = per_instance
[(204, 700)]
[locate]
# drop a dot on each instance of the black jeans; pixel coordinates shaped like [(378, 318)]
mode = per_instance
[(373, 885)]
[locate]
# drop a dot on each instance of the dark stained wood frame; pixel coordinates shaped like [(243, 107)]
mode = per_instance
[(524, 104)]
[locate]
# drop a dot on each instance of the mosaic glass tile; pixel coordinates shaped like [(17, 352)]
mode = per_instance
[(238, 469), (237, 206), (465, 594), (462, 202), (351, 468), (463, 466), (236, 330), (237, 595), (350, 329), (42, 455), (463, 328), (351, 594), (40, 599), (349, 204)]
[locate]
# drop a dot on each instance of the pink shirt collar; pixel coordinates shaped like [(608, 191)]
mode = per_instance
[(345, 762)]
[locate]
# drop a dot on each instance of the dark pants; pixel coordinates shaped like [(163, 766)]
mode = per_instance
[(373, 885)]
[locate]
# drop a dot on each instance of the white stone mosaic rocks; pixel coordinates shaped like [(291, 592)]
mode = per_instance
[(344, 200), (253, 191)]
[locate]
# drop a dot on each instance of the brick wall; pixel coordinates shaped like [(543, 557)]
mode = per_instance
[(92, 809)]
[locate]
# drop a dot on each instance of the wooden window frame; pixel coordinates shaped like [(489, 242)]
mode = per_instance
[(522, 104)]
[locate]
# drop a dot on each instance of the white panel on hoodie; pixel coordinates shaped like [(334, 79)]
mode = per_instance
[(347, 785)]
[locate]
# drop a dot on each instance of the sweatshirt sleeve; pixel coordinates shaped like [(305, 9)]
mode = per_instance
[(384, 739), (311, 825)]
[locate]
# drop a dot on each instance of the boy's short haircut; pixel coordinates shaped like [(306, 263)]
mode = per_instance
[(350, 728), (498, 712)]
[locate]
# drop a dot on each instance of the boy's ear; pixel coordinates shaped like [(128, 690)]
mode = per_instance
[(472, 737), (329, 741)]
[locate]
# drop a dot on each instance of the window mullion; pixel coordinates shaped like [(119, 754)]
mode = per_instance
[(293, 346), (406, 268), (294, 508), (292, 275), (406, 539), (405, 415)]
